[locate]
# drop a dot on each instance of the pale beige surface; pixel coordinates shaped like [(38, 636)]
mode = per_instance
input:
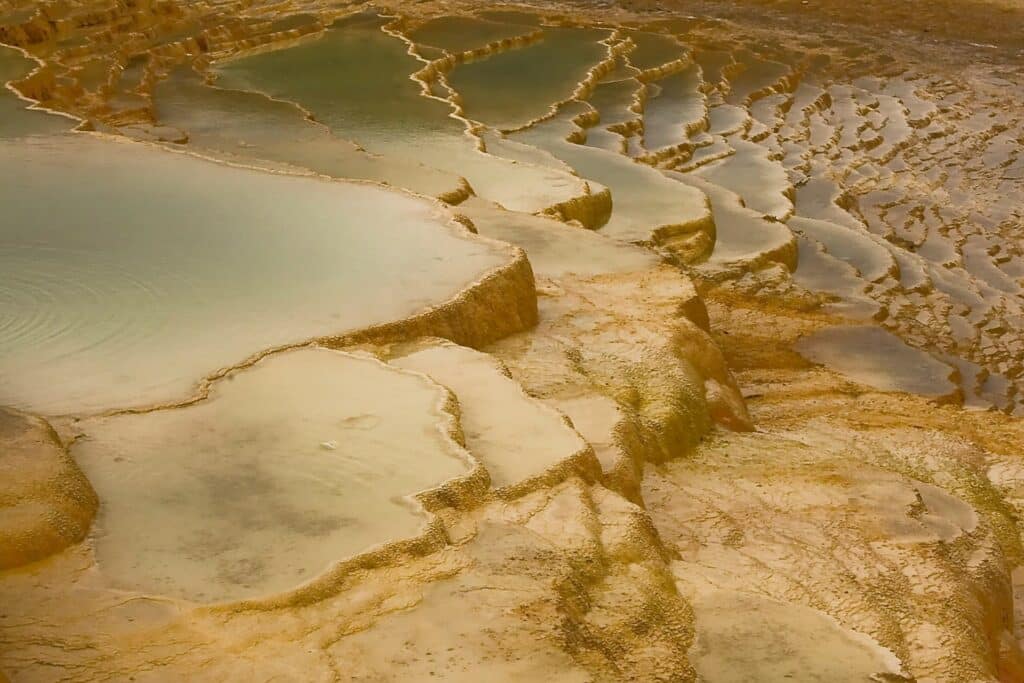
[(298, 462), (717, 507), (515, 437)]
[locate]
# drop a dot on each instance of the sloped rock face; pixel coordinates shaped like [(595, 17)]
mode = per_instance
[(661, 474), (46, 503), (831, 506)]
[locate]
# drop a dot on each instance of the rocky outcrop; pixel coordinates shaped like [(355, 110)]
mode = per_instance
[(46, 503), (855, 530), (500, 303)]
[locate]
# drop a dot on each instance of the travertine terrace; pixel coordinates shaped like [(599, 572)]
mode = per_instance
[(555, 341)]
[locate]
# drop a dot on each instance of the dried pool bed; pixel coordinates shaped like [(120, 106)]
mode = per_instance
[(289, 466)]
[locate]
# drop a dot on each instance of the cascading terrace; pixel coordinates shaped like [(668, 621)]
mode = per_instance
[(596, 343)]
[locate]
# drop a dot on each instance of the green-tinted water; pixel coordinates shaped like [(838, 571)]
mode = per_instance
[(247, 125), (356, 80), (531, 78), (129, 273), (653, 49), (16, 119), (460, 34)]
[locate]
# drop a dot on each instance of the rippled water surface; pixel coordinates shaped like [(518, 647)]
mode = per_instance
[(127, 274)]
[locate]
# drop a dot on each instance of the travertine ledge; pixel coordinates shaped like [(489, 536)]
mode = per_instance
[(46, 503)]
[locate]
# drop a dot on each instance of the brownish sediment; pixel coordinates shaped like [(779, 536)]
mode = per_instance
[(980, 21), (951, 453), (500, 303), (653, 360), (733, 506), (46, 503), (591, 209), (667, 69)]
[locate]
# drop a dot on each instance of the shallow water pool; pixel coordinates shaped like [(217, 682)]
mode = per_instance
[(128, 273)]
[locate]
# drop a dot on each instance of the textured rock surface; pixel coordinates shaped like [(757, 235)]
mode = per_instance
[(664, 485), (46, 503)]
